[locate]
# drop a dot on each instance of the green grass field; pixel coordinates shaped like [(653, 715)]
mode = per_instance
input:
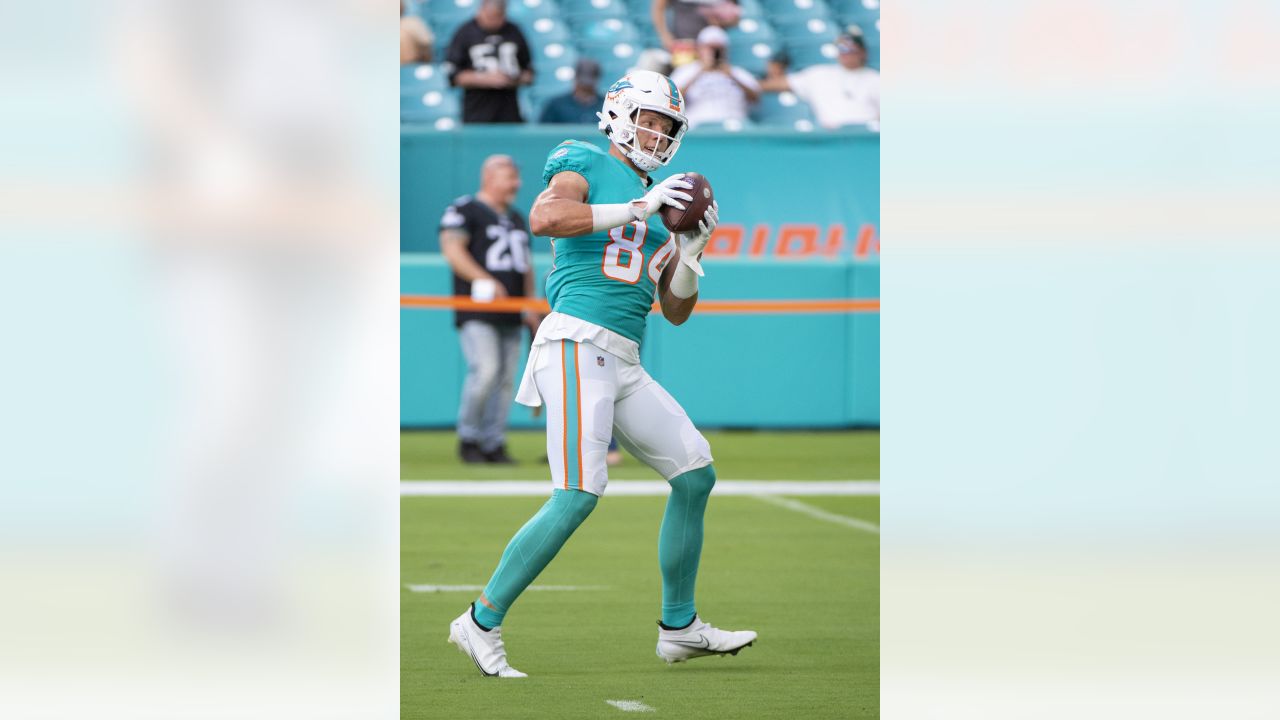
[(809, 586)]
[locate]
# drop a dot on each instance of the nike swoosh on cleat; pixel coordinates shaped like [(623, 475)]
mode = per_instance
[(706, 645)]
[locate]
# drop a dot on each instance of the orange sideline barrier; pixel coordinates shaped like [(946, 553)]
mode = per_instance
[(725, 307)]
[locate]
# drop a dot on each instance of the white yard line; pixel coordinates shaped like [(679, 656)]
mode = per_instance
[(478, 588), (478, 488), (630, 706), (820, 514)]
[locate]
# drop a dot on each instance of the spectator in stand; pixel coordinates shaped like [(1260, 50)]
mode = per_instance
[(486, 243), (416, 41), (688, 18), (489, 58), (581, 105), (844, 93), (715, 91)]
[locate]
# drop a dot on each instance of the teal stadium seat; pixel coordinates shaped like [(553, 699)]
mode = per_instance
[(753, 56), (783, 110), (615, 62), (437, 108), (580, 12), (599, 36), (444, 32), (422, 77), (524, 12), (751, 44), (810, 51), (753, 30), (544, 31), (795, 10), (553, 66), (752, 9), (453, 11), (813, 28), (856, 11)]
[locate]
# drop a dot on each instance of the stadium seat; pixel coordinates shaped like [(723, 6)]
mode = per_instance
[(450, 10), (444, 32), (783, 110), (778, 10), (440, 109), (752, 30), (751, 44), (601, 36), (553, 66), (751, 9), (544, 31), (523, 12), (583, 11), (814, 28), (753, 56), (421, 78), (857, 11), (615, 63), (806, 52)]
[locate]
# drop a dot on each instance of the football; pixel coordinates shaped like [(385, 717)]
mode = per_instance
[(685, 220)]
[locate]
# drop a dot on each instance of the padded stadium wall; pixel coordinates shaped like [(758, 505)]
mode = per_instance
[(800, 217)]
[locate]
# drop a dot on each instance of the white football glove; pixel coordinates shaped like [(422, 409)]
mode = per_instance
[(667, 192), (693, 242)]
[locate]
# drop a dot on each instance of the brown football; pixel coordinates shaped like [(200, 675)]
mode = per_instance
[(682, 221)]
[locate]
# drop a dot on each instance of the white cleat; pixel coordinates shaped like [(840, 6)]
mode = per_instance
[(484, 648), (699, 640)]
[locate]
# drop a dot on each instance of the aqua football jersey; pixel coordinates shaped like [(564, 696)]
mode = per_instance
[(606, 278)]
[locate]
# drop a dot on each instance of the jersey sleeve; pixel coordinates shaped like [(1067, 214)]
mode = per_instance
[(454, 217), (568, 155), (458, 57)]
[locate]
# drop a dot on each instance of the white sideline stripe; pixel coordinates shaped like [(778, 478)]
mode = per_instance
[(630, 706), (467, 488), (821, 514), (478, 588)]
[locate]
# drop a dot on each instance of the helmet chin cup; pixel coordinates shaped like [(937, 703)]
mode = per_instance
[(643, 160), (638, 91)]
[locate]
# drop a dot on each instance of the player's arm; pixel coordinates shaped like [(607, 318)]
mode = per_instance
[(678, 283), (562, 210), (453, 245), (674, 308)]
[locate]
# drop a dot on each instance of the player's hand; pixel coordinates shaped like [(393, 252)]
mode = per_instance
[(667, 192), (693, 243)]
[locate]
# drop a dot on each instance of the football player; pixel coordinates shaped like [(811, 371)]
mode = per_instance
[(611, 256)]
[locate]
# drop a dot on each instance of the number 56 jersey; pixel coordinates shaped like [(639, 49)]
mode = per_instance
[(607, 278)]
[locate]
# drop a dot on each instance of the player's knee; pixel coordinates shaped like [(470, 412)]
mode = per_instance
[(697, 482), (704, 479), (578, 503)]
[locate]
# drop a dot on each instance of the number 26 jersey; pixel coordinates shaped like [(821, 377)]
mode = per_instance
[(497, 242)]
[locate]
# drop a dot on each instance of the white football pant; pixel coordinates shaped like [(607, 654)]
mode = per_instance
[(591, 394)]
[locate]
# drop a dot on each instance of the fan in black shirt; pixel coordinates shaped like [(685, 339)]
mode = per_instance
[(490, 58)]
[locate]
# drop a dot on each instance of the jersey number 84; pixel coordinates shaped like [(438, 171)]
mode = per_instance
[(624, 255)]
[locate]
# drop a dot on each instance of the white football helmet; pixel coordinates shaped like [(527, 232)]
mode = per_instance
[(643, 90)]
